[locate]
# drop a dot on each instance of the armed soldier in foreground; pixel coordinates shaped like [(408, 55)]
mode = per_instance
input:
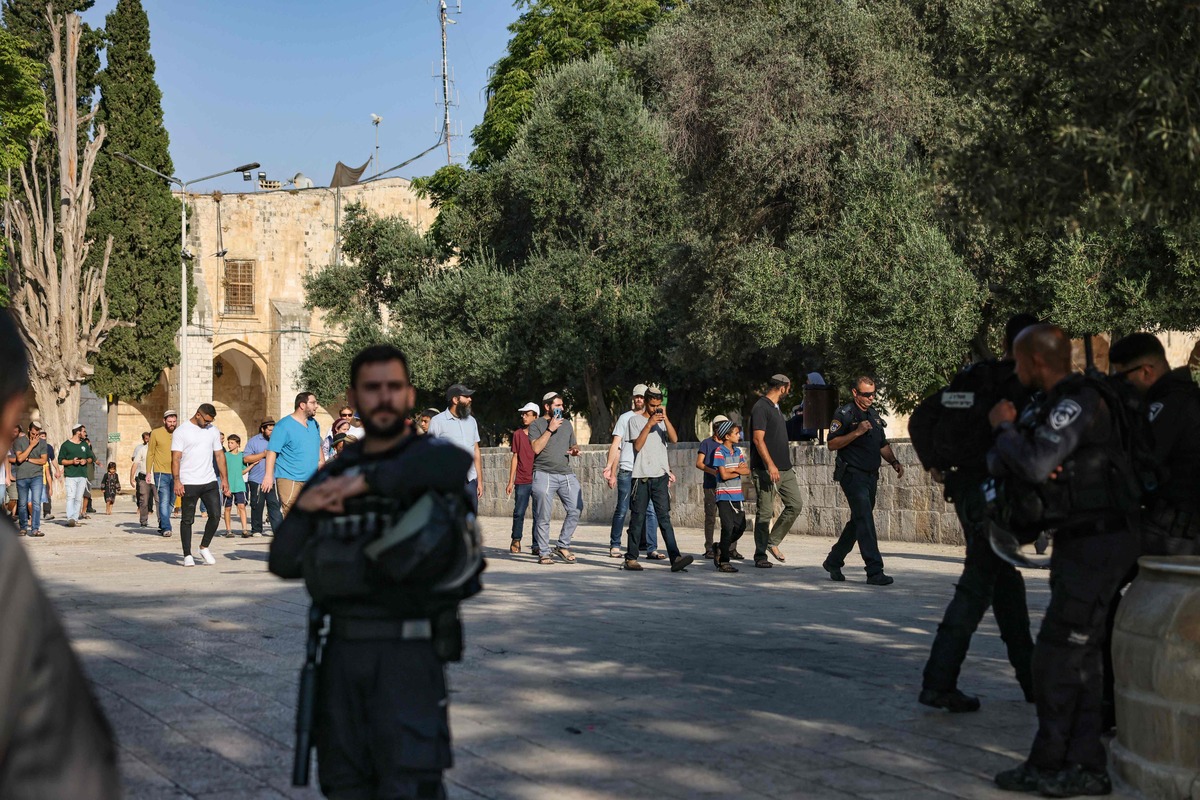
[(386, 542), (1065, 465)]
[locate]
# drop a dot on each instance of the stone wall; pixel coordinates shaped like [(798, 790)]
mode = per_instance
[(909, 509)]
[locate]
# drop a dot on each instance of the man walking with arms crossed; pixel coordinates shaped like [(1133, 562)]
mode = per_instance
[(771, 471), (255, 457), (294, 452)]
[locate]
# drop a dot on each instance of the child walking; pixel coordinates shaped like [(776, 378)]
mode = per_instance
[(111, 486), (730, 464), (235, 466)]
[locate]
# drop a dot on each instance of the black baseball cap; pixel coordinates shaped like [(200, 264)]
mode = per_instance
[(459, 390)]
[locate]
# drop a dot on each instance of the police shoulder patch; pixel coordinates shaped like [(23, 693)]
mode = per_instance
[(835, 426), (1154, 410), (1066, 412)]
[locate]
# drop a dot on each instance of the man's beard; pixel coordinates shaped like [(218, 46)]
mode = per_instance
[(383, 431), (462, 411)]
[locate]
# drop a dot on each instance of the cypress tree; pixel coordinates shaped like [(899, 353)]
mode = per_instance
[(137, 209)]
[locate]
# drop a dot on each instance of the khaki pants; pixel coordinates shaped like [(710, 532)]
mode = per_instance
[(788, 491), (288, 492)]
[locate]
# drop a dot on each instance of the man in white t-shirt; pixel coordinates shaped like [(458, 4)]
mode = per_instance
[(618, 472), (196, 458)]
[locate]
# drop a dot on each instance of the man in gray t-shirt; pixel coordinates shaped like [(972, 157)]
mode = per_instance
[(649, 432), (553, 441)]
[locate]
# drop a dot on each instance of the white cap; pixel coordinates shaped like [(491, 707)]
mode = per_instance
[(76, 426), (720, 418), (528, 407), (639, 390), (549, 397)]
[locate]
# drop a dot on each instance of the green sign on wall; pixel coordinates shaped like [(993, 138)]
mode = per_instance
[(114, 437)]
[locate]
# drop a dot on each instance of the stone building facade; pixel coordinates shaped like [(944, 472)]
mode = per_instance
[(249, 328)]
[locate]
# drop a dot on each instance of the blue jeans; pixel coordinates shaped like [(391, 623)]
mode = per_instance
[(545, 486), (29, 491), (165, 484), (522, 494), (621, 513)]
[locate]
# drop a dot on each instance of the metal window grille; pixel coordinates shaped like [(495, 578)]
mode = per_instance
[(239, 286)]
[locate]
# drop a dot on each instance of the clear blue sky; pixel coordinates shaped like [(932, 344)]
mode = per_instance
[(292, 83)]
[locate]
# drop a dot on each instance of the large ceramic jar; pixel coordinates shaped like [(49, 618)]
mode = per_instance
[(1156, 658)]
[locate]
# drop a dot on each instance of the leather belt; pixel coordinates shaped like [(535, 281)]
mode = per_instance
[(358, 628)]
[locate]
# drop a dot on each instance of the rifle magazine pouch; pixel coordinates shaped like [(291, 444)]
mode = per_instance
[(336, 567)]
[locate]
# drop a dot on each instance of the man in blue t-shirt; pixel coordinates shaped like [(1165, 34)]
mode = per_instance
[(255, 457), (293, 452), (704, 463)]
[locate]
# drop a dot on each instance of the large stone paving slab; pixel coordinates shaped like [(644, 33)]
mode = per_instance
[(579, 681)]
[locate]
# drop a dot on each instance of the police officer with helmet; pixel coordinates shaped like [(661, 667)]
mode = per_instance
[(856, 435), (385, 540), (1065, 453)]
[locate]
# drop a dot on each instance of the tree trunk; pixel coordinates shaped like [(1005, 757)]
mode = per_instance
[(684, 407), (59, 305), (600, 416), (57, 419)]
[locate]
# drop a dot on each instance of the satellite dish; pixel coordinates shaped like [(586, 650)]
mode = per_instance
[(301, 181)]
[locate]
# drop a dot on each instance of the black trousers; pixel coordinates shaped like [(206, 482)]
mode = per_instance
[(1068, 660), (259, 498), (210, 493), (645, 491), (986, 580), (733, 525), (859, 487), (378, 737)]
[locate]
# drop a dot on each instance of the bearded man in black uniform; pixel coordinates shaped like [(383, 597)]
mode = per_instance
[(1063, 449), (384, 539)]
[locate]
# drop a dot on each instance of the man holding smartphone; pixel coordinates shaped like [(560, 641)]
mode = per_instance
[(553, 440), (652, 478)]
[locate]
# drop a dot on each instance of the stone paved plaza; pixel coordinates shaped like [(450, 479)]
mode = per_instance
[(578, 682)]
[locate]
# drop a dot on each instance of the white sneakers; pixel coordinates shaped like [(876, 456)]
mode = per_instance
[(207, 555), (188, 561)]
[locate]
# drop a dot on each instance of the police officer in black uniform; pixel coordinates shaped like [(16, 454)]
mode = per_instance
[(1063, 449), (381, 725), (1172, 523), (856, 435), (987, 580)]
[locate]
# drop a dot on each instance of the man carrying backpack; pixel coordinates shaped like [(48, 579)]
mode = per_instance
[(951, 434), (1068, 452), (384, 540)]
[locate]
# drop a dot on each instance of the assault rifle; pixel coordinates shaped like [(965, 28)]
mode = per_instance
[(306, 705)]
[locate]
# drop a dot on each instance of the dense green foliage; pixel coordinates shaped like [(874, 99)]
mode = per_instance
[(550, 33), (137, 209), (713, 195), (22, 115)]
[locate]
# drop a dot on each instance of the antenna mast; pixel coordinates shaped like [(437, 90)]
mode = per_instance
[(444, 20)]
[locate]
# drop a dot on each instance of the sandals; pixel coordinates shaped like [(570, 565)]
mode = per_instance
[(657, 556), (36, 533), (545, 560), (565, 554), (726, 567), (777, 553), (515, 546)]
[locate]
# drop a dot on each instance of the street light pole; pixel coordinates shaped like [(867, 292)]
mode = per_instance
[(184, 408)]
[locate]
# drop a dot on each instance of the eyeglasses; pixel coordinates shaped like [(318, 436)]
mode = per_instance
[(347, 416), (864, 394)]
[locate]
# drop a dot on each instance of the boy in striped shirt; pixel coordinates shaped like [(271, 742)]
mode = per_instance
[(730, 464)]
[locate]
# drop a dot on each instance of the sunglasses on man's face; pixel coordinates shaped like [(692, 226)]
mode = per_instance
[(864, 394), (346, 416)]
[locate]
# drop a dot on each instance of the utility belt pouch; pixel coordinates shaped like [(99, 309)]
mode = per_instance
[(839, 470), (448, 635)]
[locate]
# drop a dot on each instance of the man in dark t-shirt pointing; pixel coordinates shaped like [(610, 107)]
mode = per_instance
[(771, 471)]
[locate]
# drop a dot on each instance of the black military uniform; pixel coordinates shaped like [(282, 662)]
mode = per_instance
[(857, 472), (1094, 548), (1172, 526), (986, 580), (381, 727)]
